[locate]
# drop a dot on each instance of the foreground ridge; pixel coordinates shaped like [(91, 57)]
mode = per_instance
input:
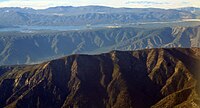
[(142, 79)]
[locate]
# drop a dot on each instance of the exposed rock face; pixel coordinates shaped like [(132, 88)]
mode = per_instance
[(141, 79)]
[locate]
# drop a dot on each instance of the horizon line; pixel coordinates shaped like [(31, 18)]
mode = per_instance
[(96, 6)]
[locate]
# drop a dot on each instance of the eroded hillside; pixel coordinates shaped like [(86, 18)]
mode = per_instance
[(21, 48), (142, 79)]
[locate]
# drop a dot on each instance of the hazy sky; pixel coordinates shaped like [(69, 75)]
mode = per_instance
[(38, 4)]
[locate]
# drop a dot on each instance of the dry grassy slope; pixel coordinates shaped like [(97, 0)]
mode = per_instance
[(146, 78)]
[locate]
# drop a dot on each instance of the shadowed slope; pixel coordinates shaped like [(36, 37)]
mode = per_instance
[(141, 79)]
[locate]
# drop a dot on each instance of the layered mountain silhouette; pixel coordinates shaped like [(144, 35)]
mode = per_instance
[(157, 78), (21, 48), (68, 15), (29, 47)]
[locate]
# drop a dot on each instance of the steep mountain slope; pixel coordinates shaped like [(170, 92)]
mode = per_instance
[(141, 79), (88, 15), (20, 48)]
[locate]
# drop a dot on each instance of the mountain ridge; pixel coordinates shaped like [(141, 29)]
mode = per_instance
[(93, 15), (48, 45), (143, 78)]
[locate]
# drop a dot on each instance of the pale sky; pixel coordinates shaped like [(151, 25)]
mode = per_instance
[(41, 4)]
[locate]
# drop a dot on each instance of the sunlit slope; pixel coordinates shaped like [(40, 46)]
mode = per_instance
[(142, 79)]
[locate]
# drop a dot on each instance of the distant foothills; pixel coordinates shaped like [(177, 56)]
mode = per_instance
[(28, 48), (68, 15)]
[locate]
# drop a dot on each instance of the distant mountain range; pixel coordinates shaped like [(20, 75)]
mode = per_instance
[(33, 47), (68, 15), (157, 78), (21, 48)]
